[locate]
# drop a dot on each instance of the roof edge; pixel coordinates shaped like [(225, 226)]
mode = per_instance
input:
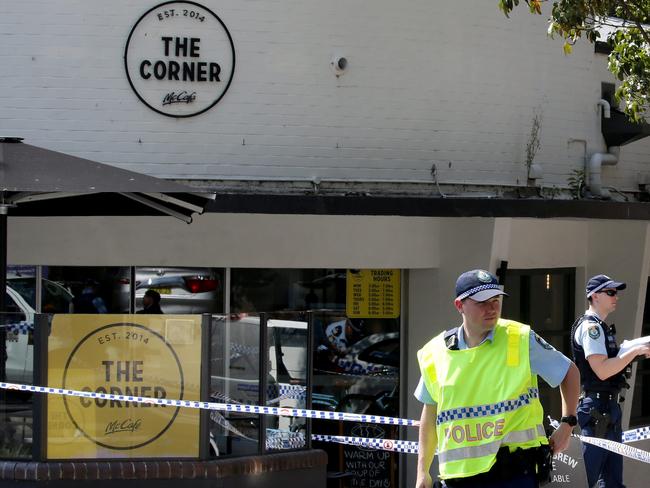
[(426, 206)]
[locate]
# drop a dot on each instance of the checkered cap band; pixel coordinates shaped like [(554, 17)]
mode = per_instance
[(476, 289), (488, 410)]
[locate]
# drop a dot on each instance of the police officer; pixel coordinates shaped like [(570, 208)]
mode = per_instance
[(481, 400), (602, 377), (89, 301)]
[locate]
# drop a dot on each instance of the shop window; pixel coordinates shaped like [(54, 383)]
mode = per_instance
[(268, 290), (21, 290), (235, 378), (55, 296), (181, 290), (13, 307), (15, 320), (356, 369), (355, 363), (91, 289), (288, 347), (544, 299), (88, 289)]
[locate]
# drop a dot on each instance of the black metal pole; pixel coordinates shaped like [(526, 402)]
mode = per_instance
[(206, 361), (263, 379), (311, 347), (3, 307), (3, 292), (39, 407)]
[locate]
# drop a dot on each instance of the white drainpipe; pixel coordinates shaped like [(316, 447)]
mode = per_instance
[(594, 170), (605, 104), (597, 160)]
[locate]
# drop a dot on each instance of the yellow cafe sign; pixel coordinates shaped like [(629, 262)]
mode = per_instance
[(155, 356), (373, 293)]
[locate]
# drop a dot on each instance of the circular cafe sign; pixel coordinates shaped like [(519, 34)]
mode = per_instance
[(179, 59), (122, 359)]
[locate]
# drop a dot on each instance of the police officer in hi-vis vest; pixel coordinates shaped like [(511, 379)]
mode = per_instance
[(602, 376), (482, 415)]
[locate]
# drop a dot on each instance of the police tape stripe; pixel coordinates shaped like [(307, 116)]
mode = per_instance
[(408, 447), (618, 448), (386, 444), (228, 407), (411, 447), (638, 434), (19, 327), (634, 435), (613, 446), (283, 439)]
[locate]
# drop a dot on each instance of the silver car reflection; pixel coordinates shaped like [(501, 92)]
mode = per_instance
[(182, 290)]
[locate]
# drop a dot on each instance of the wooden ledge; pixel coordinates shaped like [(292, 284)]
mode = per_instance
[(159, 470)]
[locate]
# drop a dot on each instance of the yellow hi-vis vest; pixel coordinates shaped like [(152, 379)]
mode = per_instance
[(486, 397)]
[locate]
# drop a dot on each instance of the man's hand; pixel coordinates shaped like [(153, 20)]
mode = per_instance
[(427, 445), (424, 481), (643, 351), (559, 440), (570, 390)]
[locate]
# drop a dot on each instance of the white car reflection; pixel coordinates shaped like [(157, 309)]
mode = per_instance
[(182, 290), (19, 323)]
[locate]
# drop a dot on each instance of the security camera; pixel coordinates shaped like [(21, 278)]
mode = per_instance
[(339, 64)]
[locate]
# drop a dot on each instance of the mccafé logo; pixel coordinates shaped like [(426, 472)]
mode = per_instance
[(476, 431), (179, 59), (123, 359)]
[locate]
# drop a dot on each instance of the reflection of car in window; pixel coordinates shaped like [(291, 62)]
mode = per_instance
[(17, 306), (21, 303), (55, 297), (385, 352), (377, 354), (182, 290), (235, 376), (20, 353)]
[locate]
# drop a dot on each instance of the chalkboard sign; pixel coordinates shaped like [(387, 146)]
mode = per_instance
[(569, 467), (369, 468)]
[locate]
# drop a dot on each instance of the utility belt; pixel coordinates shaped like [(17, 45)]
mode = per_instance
[(536, 461), (601, 395), (601, 418)]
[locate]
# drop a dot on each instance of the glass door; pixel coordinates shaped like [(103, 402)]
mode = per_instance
[(545, 300)]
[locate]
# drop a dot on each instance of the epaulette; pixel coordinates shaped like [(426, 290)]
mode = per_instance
[(451, 339)]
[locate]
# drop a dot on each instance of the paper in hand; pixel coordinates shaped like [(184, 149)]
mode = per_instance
[(627, 345)]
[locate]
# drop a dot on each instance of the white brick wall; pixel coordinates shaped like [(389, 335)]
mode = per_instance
[(429, 81)]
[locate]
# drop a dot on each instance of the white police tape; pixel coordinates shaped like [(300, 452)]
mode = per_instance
[(634, 435), (409, 447), (227, 407), (613, 446), (617, 447), (384, 444)]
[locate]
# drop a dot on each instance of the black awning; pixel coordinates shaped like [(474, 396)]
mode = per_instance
[(39, 182)]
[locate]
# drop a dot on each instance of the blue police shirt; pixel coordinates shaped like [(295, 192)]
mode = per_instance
[(590, 335), (545, 361)]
